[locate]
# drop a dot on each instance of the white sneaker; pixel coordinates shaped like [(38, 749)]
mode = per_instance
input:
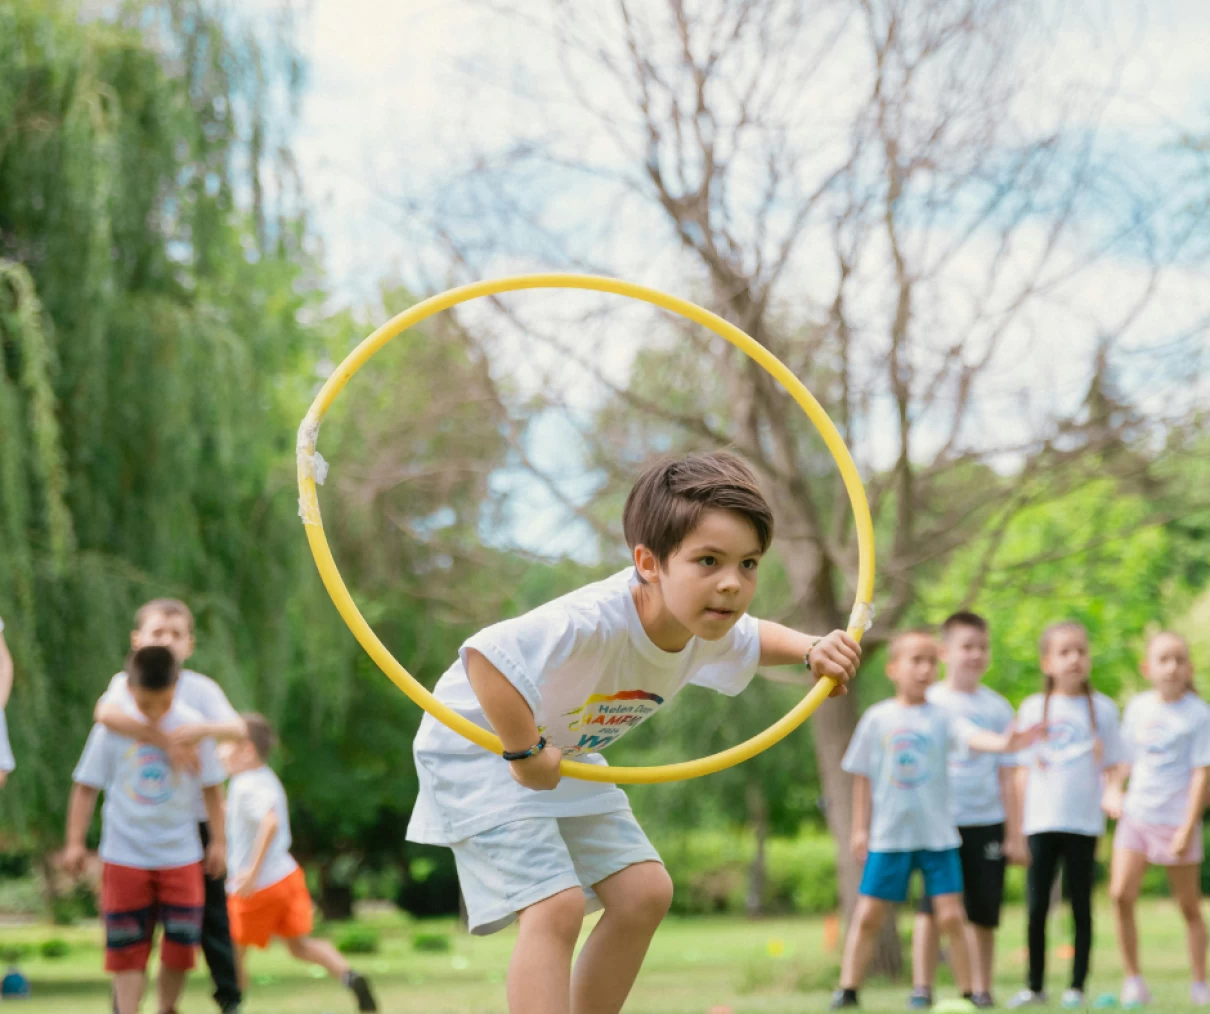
[(1026, 998), (1135, 993), (1199, 994), (1072, 999)]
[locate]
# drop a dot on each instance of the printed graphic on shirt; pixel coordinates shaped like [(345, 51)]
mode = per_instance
[(150, 781), (1159, 741), (604, 717), (908, 750), (1066, 743)]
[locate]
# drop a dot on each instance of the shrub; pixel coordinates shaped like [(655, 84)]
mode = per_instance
[(54, 948), (357, 939), (437, 943)]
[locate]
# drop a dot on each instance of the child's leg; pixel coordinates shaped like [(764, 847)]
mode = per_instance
[(1078, 862), (1125, 877), (950, 917), (1184, 883), (128, 903), (925, 949), (319, 952), (180, 896), (1044, 851), (982, 940), (170, 986), (539, 974), (241, 966), (636, 900), (863, 931), (128, 991)]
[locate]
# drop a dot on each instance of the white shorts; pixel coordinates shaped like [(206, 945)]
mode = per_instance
[(510, 867)]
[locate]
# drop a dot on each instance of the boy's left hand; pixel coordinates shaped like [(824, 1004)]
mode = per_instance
[(836, 656), (1180, 840), (216, 859)]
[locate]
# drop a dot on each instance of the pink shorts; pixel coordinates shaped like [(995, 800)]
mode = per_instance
[(1154, 841)]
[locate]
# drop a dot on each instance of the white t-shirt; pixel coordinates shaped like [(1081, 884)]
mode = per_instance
[(147, 821), (1063, 792), (250, 796), (6, 751), (590, 674), (974, 778), (903, 750), (1164, 744), (195, 691)]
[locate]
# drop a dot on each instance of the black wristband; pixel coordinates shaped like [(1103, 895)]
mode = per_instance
[(516, 755)]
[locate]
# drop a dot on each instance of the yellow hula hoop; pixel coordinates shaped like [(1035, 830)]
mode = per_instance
[(311, 468)]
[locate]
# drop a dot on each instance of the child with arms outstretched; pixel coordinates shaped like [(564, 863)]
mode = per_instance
[(567, 680)]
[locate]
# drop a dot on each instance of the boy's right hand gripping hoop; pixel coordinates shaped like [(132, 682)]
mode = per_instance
[(312, 469)]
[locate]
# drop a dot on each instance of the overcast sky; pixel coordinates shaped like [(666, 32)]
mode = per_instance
[(392, 85)]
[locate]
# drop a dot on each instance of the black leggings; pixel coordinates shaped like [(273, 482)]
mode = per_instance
[(1077, 851)]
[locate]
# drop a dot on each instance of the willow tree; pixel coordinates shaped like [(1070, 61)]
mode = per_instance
[(146, 321)]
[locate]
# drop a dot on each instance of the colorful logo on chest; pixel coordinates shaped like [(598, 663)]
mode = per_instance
[(605, 717), (908, 750), (151, 781)]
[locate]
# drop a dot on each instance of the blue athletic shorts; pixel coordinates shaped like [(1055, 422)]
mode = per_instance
[(887, 874)]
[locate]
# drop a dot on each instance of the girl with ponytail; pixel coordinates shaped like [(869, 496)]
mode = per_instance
[(1060, 782)]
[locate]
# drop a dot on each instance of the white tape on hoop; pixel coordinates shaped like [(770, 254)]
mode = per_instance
[(311, 465), (862, 616)]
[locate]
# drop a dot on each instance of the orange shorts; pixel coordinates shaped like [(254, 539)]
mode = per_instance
[(279, 910)]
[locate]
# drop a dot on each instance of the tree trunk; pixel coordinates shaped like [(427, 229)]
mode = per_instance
[(758, 817), (335, 898), (833, 724)]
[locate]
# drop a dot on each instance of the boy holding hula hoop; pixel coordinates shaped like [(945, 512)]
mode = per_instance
[(567, 680)]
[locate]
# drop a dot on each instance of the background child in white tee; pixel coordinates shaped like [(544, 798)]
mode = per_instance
[(981, 792), (901, 818), (1166, 733), (569, 679), (268, 890), (1060, 782), (150, 846)]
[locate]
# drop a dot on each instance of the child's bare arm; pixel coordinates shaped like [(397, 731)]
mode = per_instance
[(1015, 848), (513, 722), (122, 723), (860, 842), (836, 655), (1196, 806), (190, 735), (216, 852), (245, 882), (80, 808), (6, 673)]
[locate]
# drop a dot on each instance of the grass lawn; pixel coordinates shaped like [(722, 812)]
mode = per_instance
[(772, 967)]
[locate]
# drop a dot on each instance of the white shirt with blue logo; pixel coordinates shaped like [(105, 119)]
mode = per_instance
[(1063, 792), (148, 819), (903, 750), (974, 778), (1165, 743)]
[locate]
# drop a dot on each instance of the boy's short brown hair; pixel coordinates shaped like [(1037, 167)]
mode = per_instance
[(670, 497), (260, 734), (898, 638), (152, 668), (169, 607), (963, 618)]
